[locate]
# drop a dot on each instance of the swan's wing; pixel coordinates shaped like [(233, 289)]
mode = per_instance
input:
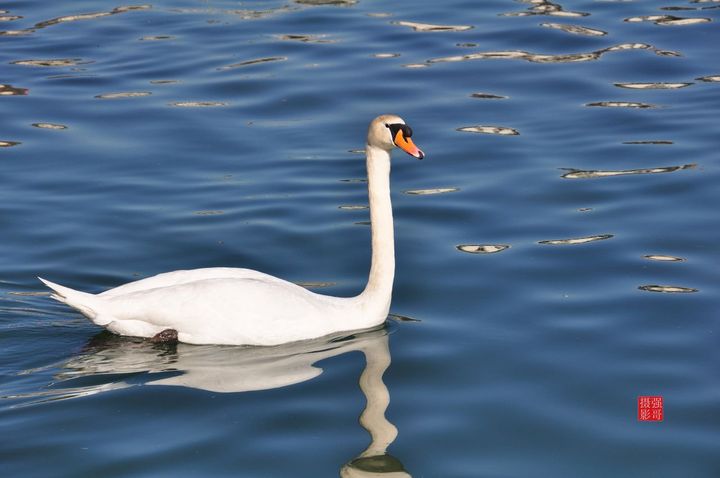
[(169, 279), (251, 311)]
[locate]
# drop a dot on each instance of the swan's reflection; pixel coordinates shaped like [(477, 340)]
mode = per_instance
[(240, 369), (375, 461)]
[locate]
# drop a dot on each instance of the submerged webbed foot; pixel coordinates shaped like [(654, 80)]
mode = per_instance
[(167, 336)]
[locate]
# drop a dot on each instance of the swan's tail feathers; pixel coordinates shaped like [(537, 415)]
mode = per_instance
[(88, 305)]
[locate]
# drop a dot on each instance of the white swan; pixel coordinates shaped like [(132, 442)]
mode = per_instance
[(246, 307)]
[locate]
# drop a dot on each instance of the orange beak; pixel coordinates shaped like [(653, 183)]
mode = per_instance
[(407, 145)]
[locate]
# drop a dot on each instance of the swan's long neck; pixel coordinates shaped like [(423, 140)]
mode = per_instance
[(378, 292)]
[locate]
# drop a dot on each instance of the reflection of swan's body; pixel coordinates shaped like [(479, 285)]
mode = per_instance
[(215, 368), (242, 306), (235, 369)]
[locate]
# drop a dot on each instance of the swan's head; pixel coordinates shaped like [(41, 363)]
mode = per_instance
[(390, 131)]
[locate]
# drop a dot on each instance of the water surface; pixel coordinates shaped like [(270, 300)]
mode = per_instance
[(557, 249)]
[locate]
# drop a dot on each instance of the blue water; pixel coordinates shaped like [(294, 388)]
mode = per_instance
[(184, 134)]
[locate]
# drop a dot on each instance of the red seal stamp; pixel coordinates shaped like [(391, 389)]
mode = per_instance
[(650, 409)]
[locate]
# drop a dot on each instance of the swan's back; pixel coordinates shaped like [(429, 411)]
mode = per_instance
[(180, 277)]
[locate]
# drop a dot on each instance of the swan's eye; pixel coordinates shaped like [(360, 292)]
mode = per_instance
[(387, 125)]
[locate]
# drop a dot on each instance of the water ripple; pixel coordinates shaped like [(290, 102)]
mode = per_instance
[(29, 293), (710, 78), (663, 258), (49, 126), (55, 62), (482, 248), (545, 7), (9, 90), (209, 213), (622, 104), (124, 94), (157, 38), (488, 96), (668, 20), (252, 62), (340, 3), (424, 192), (559, 58), (315, 284), (587, 174), (139, 186), (353, 207), (576, 29), (402, 318), (577, 240), (653, 86), (75, 18), (650, 141), (14, 33), (428, 27), (668, 289), (415, 65), (197, 104), (241, 13), (501, 130), (306, 38)]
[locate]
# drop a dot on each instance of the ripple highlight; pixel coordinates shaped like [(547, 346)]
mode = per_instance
[(709, 79), (353, 207), (482, 248), (650, 141), (124, 94), (663, 258), (488, 96), (75, 18), (575, 29), (9, 90), (49, 126), (546, 58), (653, 86), (668, 289), (577, 240), (305, 38), (197, 104), (55, 62), (621, 104), (670, 20), (425, 192), (499, 130), (254, 61), (545, 7), (429, 27), (597, 173)]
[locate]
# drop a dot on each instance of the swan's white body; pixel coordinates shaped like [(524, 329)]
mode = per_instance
[(243, 306)]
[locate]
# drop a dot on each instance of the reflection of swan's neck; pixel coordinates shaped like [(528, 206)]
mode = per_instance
[(382, 432), (378, 292), (375, 462)]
